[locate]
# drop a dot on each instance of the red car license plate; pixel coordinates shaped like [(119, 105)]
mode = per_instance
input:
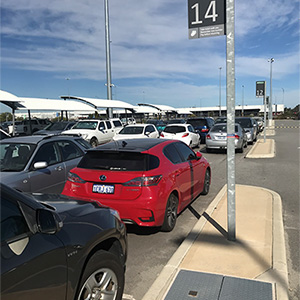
[(103, 189)]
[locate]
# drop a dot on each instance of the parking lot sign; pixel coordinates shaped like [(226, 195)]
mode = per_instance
[(260, 88), (206, 18)]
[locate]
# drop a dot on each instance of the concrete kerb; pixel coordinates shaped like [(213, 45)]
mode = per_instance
[(165, 278), (262, 149), (278, 274)]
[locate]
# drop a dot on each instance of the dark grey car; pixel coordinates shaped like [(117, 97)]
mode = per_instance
[(39, 163), (55, 247), (56, 128)]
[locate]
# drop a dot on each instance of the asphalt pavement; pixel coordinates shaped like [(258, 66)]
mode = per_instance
[(207, 266)]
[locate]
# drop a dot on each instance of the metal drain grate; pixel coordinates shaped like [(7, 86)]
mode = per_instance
[(191, 285)]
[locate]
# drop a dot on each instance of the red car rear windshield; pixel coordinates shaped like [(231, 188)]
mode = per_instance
[(118, 161)]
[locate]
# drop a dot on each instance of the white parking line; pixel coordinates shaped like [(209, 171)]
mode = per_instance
[(127, 297)]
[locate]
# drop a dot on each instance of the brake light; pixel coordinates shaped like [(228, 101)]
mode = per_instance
[(75, 178), (144, 181), (185, 135), (237, 136), (161, 134), (204, 130), (208, 136)]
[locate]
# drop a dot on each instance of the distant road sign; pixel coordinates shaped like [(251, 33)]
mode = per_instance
[(260, 88), (206, 18)]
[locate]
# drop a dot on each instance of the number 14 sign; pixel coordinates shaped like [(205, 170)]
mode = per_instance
[(206, 18)]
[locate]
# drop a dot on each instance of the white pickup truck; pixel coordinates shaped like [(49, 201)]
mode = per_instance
[(96, 132), (23, 127)]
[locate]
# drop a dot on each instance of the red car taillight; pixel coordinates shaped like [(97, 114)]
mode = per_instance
[(208, 136), (161, 134), (75, 178), (237, 136), (144, 181)]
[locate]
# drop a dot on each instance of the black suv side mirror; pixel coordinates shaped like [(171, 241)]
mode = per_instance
[(48, 221)]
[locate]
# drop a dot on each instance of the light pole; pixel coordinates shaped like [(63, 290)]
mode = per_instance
[(271, 60), (243, 100), (283, 98), (108, 65), (220, 110)]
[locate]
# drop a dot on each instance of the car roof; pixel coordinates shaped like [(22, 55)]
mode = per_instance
[(130, 145), (35, 139), (138, 125)]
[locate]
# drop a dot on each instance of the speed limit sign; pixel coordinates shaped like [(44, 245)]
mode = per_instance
[(206, 18)]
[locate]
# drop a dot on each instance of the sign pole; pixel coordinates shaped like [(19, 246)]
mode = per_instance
[(230, 96), (265, 115)]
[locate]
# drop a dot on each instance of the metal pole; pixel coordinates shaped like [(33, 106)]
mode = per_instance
[(108, 66), (283, 98), (230, 97), (220, 110), (270, 99), (265, 114), (243, 100)]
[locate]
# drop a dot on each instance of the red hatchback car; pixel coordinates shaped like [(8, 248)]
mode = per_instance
[(149, 181)]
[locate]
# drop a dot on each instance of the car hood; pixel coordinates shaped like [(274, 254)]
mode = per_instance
[(77, 131), (47, 132), (74, 207)]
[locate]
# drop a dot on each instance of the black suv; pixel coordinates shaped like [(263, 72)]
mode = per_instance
[(202, 125), (55, 247)]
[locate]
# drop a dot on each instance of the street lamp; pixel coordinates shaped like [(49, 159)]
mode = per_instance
[(243, 100), (271, 60), (108, 65), (220, 111)]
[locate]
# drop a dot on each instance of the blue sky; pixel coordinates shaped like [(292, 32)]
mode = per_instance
[(152, 60)]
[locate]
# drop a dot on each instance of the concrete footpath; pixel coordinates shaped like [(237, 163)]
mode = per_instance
[(258, 254)]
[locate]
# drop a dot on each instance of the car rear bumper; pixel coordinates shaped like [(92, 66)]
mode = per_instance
[(146, 210)]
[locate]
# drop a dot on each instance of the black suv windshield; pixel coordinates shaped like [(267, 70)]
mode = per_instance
[(245, 123), (197, 123), (118, 161)]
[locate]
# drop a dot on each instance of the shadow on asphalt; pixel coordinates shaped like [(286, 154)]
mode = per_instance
[(139, 230)]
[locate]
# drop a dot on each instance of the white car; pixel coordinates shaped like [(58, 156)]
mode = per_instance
[(96, 132), (137, 131), (182, 132)]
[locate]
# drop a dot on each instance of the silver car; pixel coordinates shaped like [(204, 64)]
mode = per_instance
[(217, 138), (39, 163)]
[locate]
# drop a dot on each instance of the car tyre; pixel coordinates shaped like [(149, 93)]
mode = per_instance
[(103, 278), (170, 214), (206, 184), (94, 142), (208, 150)]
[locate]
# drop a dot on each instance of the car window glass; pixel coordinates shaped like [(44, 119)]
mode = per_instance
[(190, 128), (149, 129), (174, 129), (48, 153), (101, 126), (117, 123), (108, 124), (119, 161), (172, 154), (91, 125), (69, 150), (13, 223), (14, 157), (186, 152), (83, 143)]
